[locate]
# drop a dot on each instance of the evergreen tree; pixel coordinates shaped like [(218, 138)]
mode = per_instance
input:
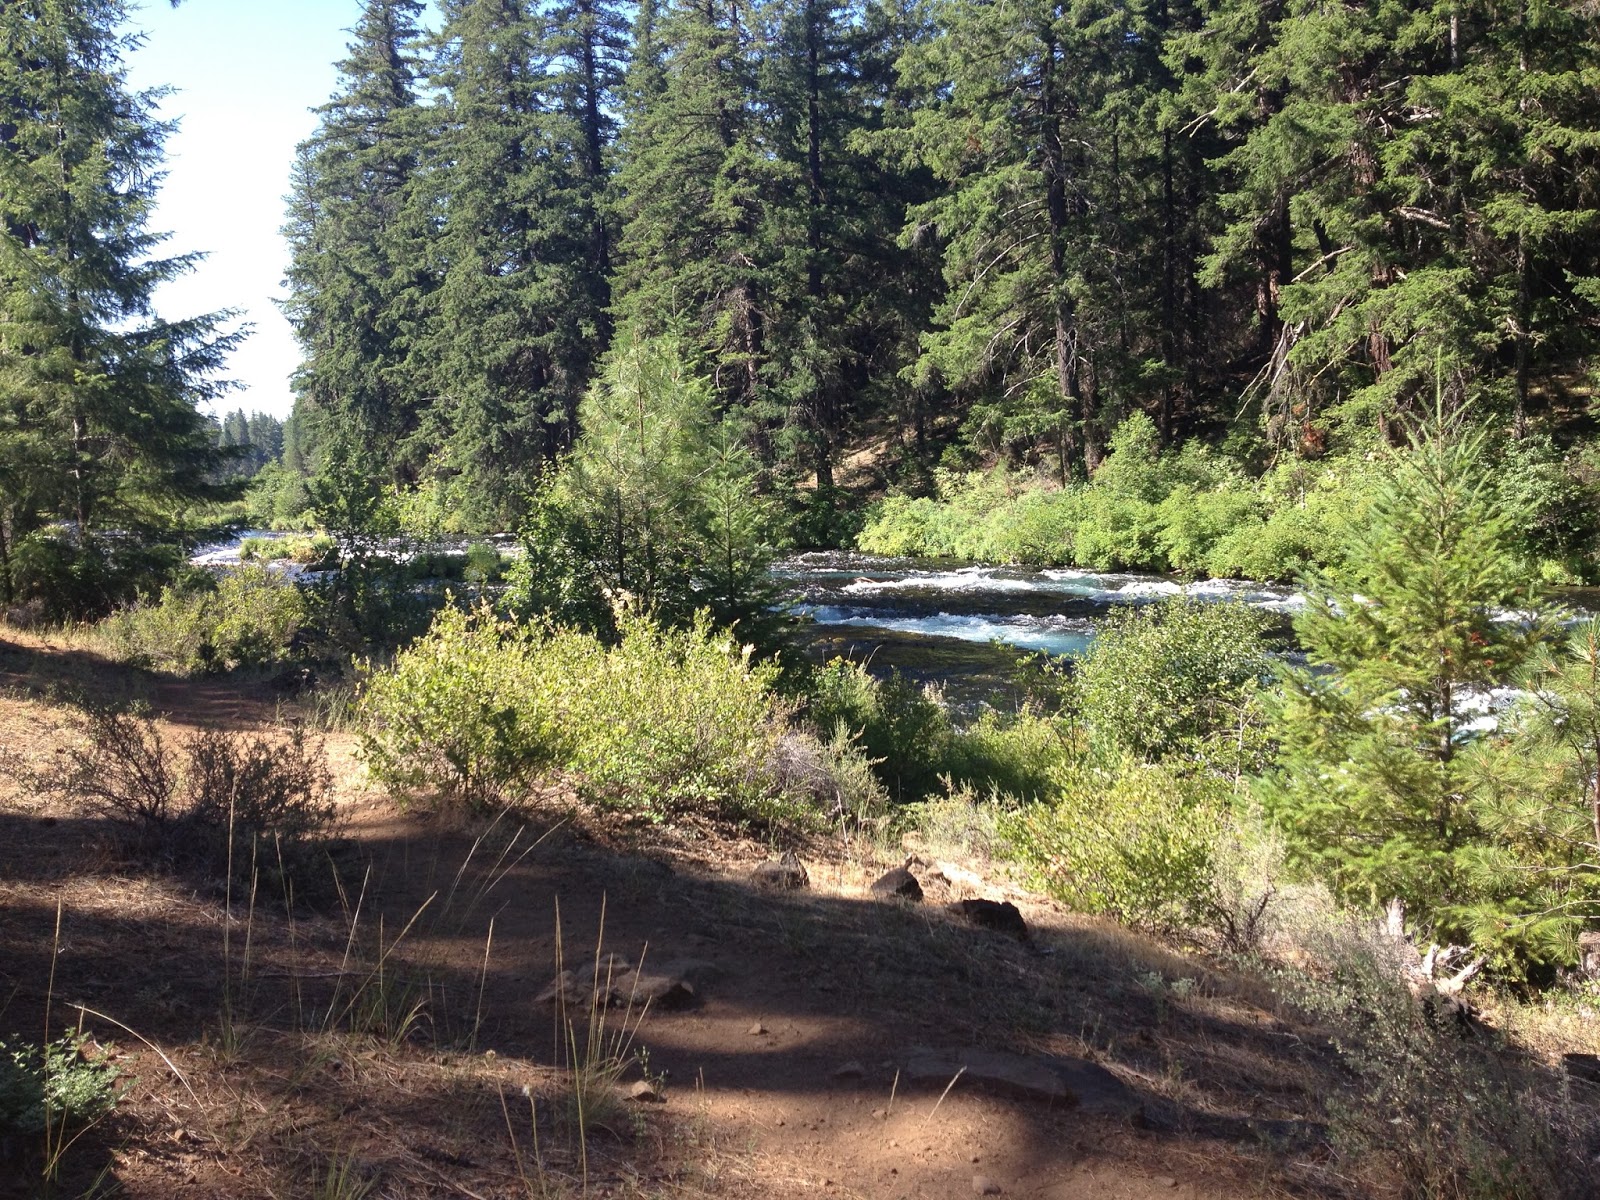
[(1033, 129), (525, 236), (361, 272), (99, 425), (1537, 794), (697, 176), (1412, 183), (1373, 788)]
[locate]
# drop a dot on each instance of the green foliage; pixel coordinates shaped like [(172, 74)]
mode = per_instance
[(916, 748), (904, 728), (659, 505), (308, 551), (1138, 841), (1190, 510), (54, 1086), (249, 618), (100, 433), (1536, 796), (1372, 785), (1434, 1113), (1178, 679), (664, 722)]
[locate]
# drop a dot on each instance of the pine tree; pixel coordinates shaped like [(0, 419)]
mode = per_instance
[(362, 273), (698, 174), (1373, 789), (1411, 184), (523, 303), (99, 425), (1032, 128)]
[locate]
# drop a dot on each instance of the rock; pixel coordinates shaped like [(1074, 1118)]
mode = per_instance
[(1052, 1080), (644, 1092), (1164, 1181), (850, 1070), (999, 915), (898, 883), (561, 988), (878, 1114), (757, 1029), (982, 1185), (780, 875)]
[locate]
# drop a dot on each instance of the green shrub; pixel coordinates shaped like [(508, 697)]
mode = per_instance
[(1180, 677), (1433, 1113), (905, 728), (314, 550), (664, 722), (250, 619), (1133, 840), (1018, 756), (52, 1086), (462, 710)]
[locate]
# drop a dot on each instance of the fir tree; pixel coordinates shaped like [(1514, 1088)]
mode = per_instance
[(1373, 788), (98, 397), (362, 273)]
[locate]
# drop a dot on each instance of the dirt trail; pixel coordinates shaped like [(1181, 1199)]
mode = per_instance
[(790, 1071)]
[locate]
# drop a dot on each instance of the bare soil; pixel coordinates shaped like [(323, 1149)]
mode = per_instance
[(383, 1036)]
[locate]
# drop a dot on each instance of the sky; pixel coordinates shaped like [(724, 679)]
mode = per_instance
[(246, 74)]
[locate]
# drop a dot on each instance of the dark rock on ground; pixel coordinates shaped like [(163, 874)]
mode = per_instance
[(898, 883), (784, 874), (999, 915), (1052, 1079)]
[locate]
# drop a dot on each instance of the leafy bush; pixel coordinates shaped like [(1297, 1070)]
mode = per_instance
[(249, 619), (52, 1086), (462, 710), (1180, 677), (664, 722), (309, 551), (1137, 841), (1190, 510), (54, 575), (211, 800), (905, 728)]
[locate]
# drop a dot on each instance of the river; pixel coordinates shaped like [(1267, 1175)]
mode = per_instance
[(963, 625)]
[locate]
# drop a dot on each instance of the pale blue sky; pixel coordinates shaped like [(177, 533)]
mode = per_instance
[(248, 72)]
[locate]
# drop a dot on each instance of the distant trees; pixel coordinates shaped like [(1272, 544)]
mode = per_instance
[(99, 428)]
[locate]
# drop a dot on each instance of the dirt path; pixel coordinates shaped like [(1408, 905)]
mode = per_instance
[(832, 1045)]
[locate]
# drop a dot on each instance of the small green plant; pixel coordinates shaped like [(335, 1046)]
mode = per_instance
[(59, 1085)]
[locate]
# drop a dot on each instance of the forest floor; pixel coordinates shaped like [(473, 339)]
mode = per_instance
[(388, 1037)]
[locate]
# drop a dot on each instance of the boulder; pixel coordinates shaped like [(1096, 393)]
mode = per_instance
[(999, 915), (1048, 1079), (897, 884), (784, 874)]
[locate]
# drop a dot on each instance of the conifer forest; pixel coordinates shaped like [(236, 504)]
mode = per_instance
[(1150, 448)]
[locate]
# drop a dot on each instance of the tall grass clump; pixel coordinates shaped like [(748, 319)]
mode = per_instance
[(663, 722)]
